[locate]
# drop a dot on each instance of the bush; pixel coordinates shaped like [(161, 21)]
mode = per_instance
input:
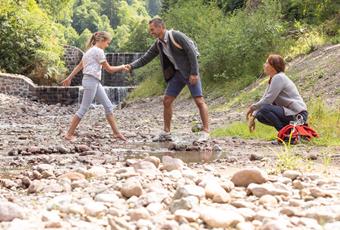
[(232, 46), (30, 43)]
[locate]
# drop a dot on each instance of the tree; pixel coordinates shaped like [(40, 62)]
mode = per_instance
[(153, 7), (30, 43), (58, 10), (83, 39), (133, 21)]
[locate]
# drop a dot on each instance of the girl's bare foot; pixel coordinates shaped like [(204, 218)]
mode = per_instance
[(120, 136), (70, 138)]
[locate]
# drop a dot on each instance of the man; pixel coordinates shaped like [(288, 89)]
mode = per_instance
[(180, 68)]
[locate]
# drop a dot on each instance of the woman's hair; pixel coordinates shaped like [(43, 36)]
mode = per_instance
[(277, 62), (97, 37)]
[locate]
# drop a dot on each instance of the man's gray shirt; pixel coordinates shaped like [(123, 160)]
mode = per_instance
[(185, 60), (166, 48), (282, 92)]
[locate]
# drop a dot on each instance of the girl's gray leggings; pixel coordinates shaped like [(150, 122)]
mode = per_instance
[(93, 89)]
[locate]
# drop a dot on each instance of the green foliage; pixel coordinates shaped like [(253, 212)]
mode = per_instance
[(287, 159), (138, 39), (58, 10), (87, 15), (153, 7), (240, 129), (326, 121), (131, 34), (83, 39), (153, 83), (233, 46), (30, 43), (228, 5), (310, 11)]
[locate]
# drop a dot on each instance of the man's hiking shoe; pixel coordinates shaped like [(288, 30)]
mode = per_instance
[(203, 137), (163, 137)]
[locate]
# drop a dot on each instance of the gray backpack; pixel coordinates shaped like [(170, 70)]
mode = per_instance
[(192, 44)]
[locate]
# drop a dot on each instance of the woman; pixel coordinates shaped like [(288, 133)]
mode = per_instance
[(281, 102)]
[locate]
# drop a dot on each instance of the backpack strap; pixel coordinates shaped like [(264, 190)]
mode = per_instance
[(173, 40)]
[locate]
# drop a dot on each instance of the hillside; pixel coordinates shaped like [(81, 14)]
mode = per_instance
[(317, 75)]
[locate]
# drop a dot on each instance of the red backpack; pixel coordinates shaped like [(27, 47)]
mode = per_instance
[(297, 132)]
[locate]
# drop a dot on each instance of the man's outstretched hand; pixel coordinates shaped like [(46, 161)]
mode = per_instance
[(127, 68)]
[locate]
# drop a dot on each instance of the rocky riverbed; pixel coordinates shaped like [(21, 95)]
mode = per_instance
[(100, 183)]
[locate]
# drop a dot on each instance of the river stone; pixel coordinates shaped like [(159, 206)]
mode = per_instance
[(186, 203), (332, 226), (95, 209), (227, 185), (189, 190), (44, 167), (274, 225), (131, 187), (154, 208), (213, 188), (219, 218), (10, 211), (117, 223), (247, 213), (268, 201), (75, 209), (221, 198), (170, 163), (317, 192), (7, 183), (291, 174), (72, 176), (106, 197), (52, 218), (324, 214), (267, 189), (35, 186), (244, 177), (245, 226), (96, 171), (214, 191), (264, 214), (155, 160), (82, 148), (188, 215), (297, 184), (242, 204), (140, 213)]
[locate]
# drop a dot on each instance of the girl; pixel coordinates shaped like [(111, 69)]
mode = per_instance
[(281, 102), (92, 62)]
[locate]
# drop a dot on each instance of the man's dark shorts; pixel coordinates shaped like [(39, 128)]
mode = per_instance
[(178, 82)]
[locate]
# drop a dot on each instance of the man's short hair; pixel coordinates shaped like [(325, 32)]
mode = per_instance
[(157, 21)]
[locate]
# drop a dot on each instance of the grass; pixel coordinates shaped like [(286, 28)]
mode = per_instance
[(245, 97), (148, 88), (240, 129), (287, 159), (325, 120)]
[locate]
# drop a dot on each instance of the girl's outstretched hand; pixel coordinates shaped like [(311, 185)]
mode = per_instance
[(126, 68), (66, 82)]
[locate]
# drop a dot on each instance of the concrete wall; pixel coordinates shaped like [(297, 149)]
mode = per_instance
[(20, 85)]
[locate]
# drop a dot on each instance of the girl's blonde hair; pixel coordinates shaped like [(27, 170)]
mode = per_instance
[(97, 37)]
